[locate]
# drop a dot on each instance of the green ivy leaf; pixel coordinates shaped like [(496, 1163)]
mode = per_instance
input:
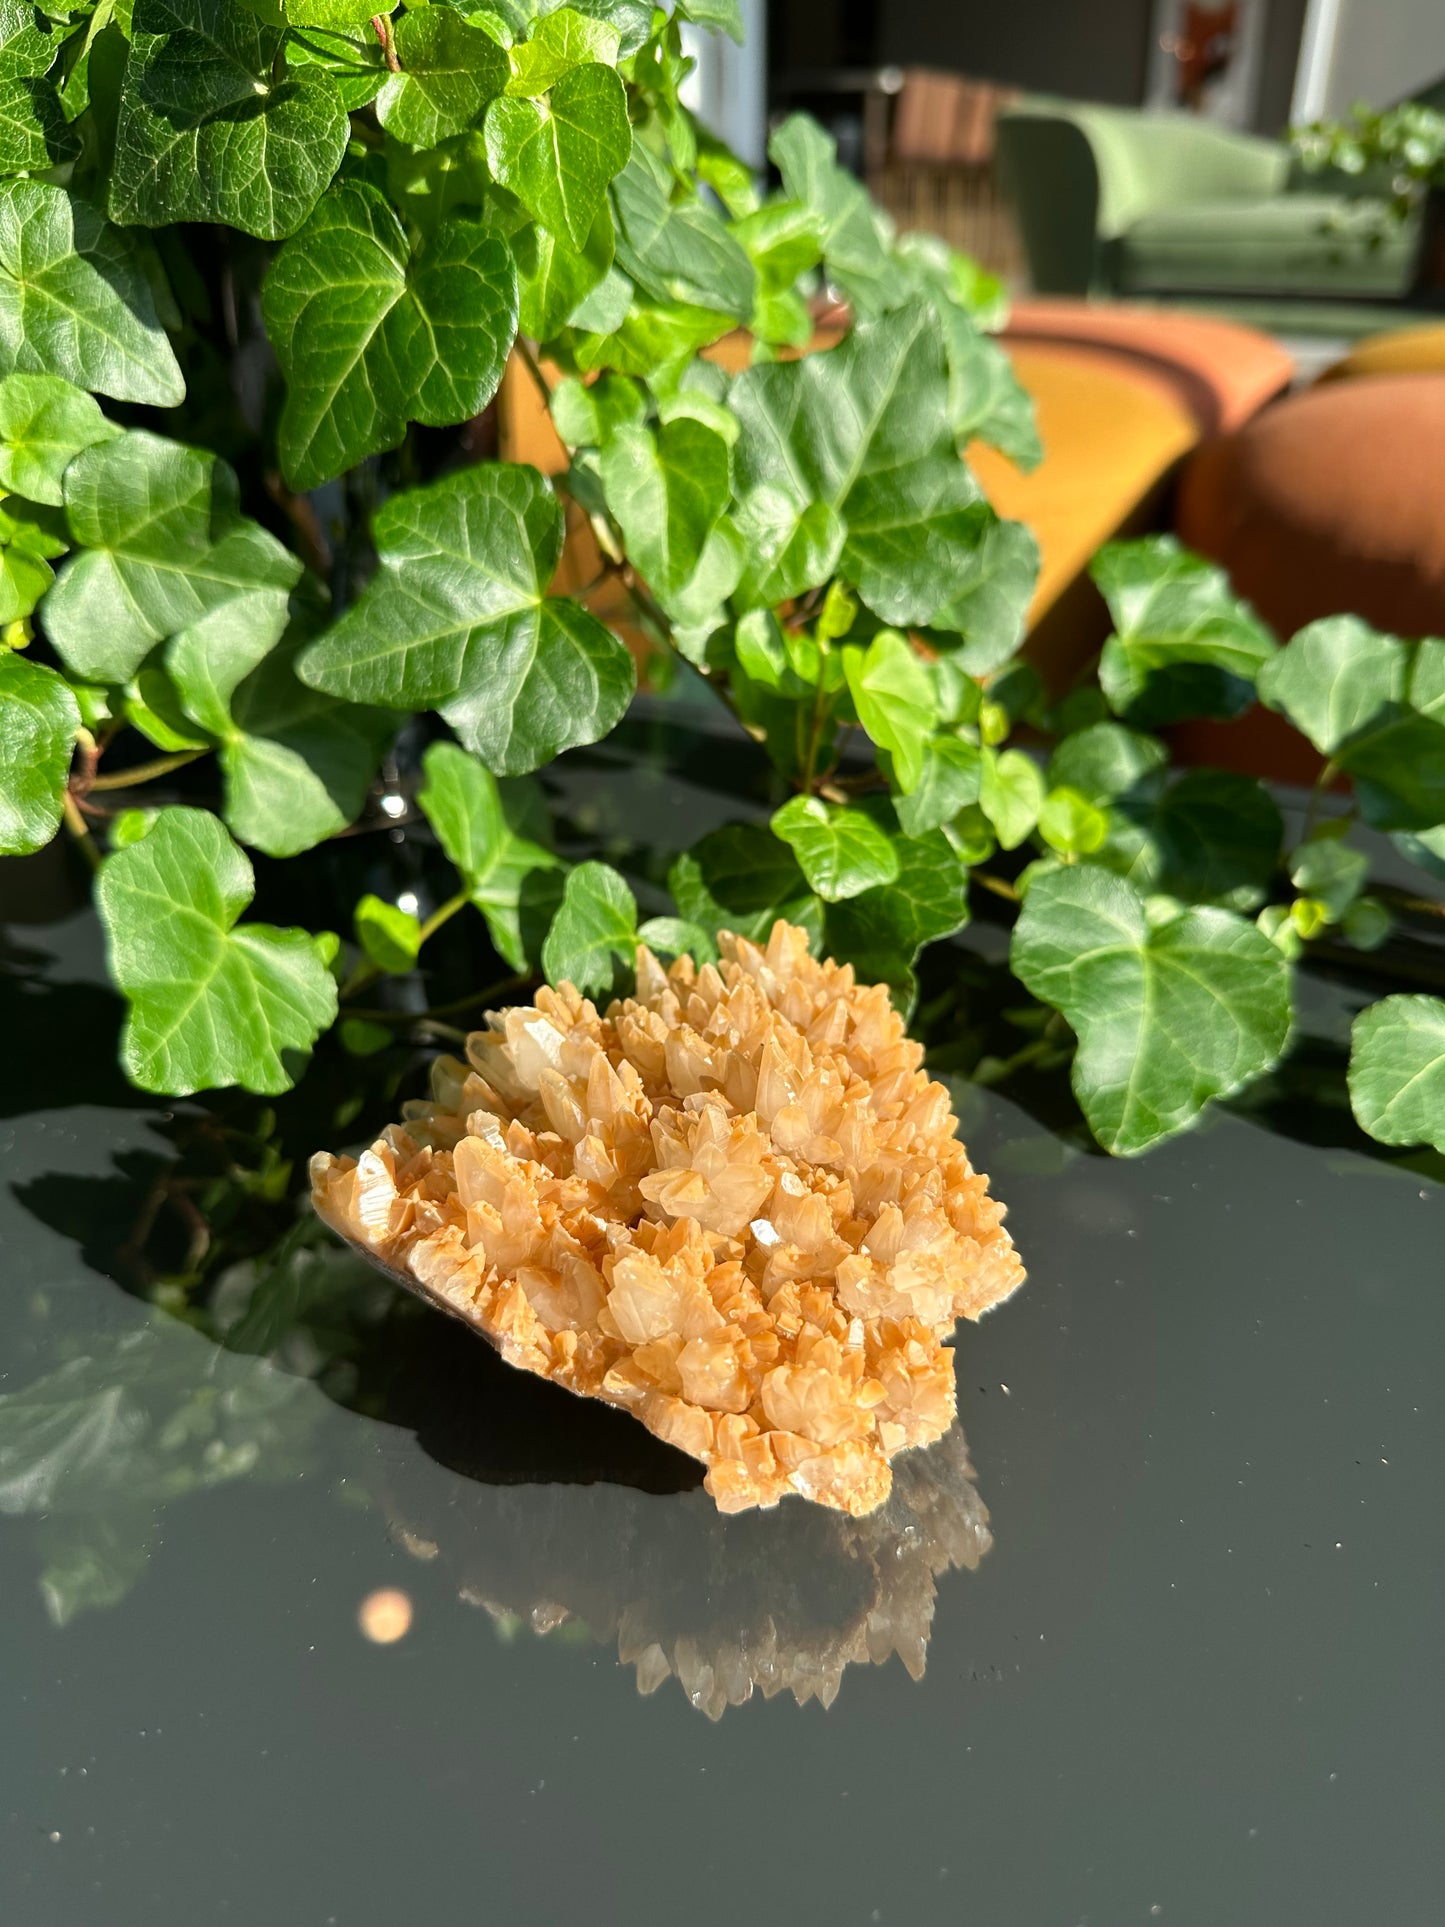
[(211, 1004), (1213, 837), (950, 780), (1330, 871), (1106, 760), (841, 851), (162, 542), (1334, 678), (982, 623), (44, 424), (1398, 768), (1397, 1071), (75, 300), (632, 19), (741, 878), (858, 438), (680, 253), (390, 936), (1167, 1016), (449, 73), (676, 937), (1425, 691), (427, 184), (29, 539), (1206, 837), (882, 930), (923, 262), (718, 16), (38, 720), (335, 16), (587, 414), (34, 133), (558, 156), (356, 66), (555, 278), (783, 239), (495, 837), (129, 826), (666, 489), (371, 337), (1183, 642), (1071, 824), (594, 928), (207, 132), (857, 260), (1397, 756), (151, 705), (28, 41), (790, 548), (559, 42), (762, 655), (1010, 794), (986, 400), (458, 618), (646, 337), (297, 764), (894, 697), (1427, 849)]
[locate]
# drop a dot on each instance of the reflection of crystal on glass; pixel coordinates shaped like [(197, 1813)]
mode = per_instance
[(733, 1205), (783, 1601)]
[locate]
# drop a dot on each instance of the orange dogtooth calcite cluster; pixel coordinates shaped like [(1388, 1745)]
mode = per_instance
[(732, 1204)]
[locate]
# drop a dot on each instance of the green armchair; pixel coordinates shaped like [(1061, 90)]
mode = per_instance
[(1117, 202)]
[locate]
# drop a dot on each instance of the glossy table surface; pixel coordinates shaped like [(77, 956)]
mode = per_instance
[(1181, 1625)]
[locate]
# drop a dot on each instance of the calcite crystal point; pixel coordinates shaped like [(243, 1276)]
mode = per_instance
[(732, 1204)]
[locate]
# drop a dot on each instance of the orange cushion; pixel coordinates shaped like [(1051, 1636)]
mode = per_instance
[(1222, 372), (1331, 503), (1404, 351)]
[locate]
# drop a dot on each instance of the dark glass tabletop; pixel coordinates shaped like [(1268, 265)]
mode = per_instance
[(312, 1613)]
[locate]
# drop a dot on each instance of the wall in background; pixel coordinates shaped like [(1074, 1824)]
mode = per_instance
[(1383, 50), (727, 89), (1086, 49), (1093, 51), (807, 35), (1283, 25)]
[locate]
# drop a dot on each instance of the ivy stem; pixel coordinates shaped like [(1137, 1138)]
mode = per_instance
[(381, 23), (534, 369), (82, 776), (1406, 900), (1322, 782), (803, 612), (80, 830), (124, 779), (998, 885), (440, 915), (815, 731)]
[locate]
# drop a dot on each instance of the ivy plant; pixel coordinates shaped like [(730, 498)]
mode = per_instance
[(264, 267)]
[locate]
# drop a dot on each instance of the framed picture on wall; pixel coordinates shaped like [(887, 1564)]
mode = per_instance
[(1204, 58)]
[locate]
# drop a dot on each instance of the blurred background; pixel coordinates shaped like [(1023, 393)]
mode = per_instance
[(1217, 229)]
